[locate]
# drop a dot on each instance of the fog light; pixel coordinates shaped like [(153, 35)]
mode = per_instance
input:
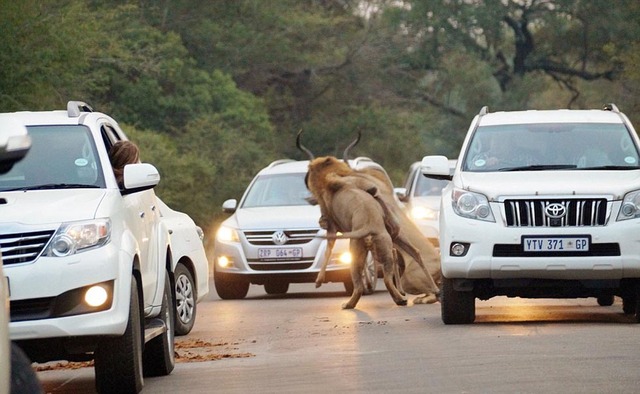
[(459, 249), (96, 296), (345, 258), (224, 262)]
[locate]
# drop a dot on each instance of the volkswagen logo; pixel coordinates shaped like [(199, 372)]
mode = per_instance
[(279, 238), (555, 210)]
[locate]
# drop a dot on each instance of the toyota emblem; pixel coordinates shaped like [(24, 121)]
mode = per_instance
[(279, 238), (555, 210)]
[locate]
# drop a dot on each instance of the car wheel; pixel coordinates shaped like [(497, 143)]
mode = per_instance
[(276, 287), (370, 275), (606, 300), (185, 300), (456, 307), (230, 287), (118, 361), (631, 304), (158, 357), (23, 377)]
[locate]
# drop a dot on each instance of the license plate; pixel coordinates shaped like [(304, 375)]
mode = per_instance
[(556, 244), (280, 253)]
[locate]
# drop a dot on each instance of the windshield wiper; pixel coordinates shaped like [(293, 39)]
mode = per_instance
[(57, 186), (610, 167), (541, 167)]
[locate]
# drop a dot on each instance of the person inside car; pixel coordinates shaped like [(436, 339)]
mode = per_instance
[(121, 154)]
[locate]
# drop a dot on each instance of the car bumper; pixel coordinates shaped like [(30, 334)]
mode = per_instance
[(41, 281), (495, 251), (299, 271)]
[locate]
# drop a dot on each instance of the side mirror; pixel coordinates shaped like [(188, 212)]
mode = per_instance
[(230, 205), (401, 192), (139, 177), (15, 142), (436, 167)]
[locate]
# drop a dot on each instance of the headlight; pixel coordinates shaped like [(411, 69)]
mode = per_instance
[(424, 213), (76, 237), (630, 208), (227, 234), (471, 205)]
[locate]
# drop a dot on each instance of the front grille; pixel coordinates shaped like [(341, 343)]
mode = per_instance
[(33, 309), (579, 212), (23, 247), (294, 237)]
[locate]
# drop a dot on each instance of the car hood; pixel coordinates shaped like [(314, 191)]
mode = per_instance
[(49, 206), (432, 202), (302, 216), (501, 184)]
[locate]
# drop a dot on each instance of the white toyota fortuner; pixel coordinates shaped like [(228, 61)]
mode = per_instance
[(542, 204)]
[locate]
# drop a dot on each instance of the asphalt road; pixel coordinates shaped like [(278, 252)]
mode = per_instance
[(304, 342)]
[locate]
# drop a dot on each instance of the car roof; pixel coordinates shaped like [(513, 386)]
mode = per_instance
[(288, 166), (549, 116)]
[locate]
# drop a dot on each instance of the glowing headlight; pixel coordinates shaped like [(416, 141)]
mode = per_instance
[(96, 296), (345, 258), (630, 208), (471, 205), (76, 237), (227, 234), (424, 213)]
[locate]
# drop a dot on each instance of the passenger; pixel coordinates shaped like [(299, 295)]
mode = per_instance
[(121, 154)]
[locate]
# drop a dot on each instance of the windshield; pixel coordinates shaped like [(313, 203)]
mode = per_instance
[(551, 146), (277, 190), (428, 186), (60, 157)]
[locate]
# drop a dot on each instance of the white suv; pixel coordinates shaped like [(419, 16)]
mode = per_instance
[(272, 238), (541, 204), (88, 264)]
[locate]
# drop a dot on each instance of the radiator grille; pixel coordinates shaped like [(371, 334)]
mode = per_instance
[(23, 247), (294, 237), (578, 212)]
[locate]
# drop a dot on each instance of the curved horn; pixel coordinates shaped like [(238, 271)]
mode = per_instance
[(302, 148), (345, 155)]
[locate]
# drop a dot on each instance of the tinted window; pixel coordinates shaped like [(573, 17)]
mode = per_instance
[(277, 190)]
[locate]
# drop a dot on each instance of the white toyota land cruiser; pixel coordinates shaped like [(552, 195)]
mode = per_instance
[(542, 204), (88, 265)]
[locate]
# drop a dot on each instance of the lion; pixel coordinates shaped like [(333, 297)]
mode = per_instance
[(357, 212)]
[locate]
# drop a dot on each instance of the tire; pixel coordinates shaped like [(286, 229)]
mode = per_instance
[(158, 358), (185, 296), (23, 378), (118, 361), (606, 300), (631, 304), (370, 275), (229, 287), (276, 287), (456, 307)]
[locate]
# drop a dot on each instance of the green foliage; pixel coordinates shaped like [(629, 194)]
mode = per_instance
[(214, 91)]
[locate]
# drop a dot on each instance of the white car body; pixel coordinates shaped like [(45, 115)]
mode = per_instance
[(554, 229), (66, 228), (187, 250), (420, 199)]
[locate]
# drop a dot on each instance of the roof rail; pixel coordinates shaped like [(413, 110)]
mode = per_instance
[(75, 108), (484, 110), (278, 162), (611, 107), (361, 159)]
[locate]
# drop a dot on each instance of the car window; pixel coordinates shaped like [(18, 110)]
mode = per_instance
[(428, 186), (549, 146), (277, 190), (60, 157)]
